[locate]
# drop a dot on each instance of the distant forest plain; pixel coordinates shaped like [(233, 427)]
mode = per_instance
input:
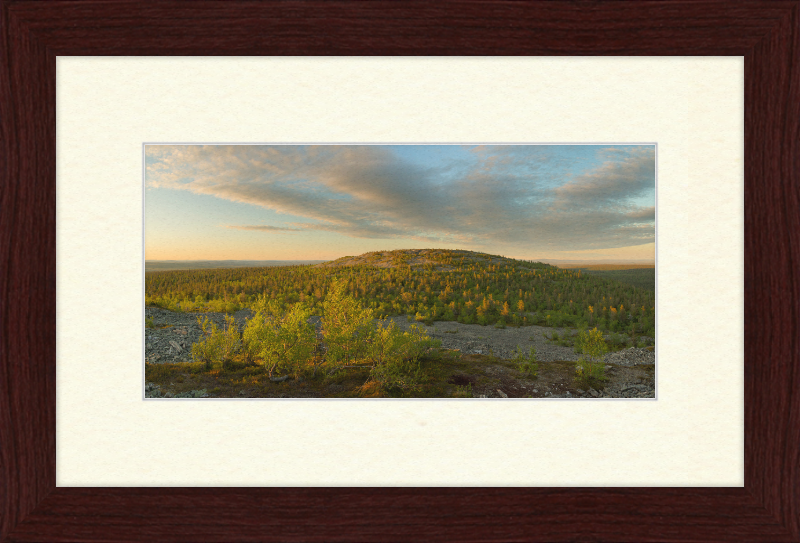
[(430, 285)]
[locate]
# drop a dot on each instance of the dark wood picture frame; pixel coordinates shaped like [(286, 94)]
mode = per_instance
[(765, 33)]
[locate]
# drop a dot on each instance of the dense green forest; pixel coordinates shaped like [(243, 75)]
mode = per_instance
[(428, 285), (644, 278)]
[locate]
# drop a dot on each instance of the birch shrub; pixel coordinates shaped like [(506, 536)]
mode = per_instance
[(347, 329), (590, 370), (283, 341), (395, 354), (527, 365), (219, 346), (354, 340)]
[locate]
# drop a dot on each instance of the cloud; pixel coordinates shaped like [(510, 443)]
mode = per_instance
[(613, 182), (529, 197), (642, 214), (261, 228)]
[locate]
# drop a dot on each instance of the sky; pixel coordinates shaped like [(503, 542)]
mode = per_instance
[(322, 202)]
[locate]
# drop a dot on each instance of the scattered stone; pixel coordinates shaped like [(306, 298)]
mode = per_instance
[(503, 394), (635, 387), (193, 394), (152, 390), (631, 357), (625, 380)]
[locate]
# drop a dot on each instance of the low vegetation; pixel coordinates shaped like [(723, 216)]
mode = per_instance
[(428, 286), (435, 374), (352, 350), (285, 345), (590, 369), (641, 278), (526, 365), (601, 267)]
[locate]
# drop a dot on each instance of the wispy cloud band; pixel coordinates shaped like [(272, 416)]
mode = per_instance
[(531, 197), (261, 228)]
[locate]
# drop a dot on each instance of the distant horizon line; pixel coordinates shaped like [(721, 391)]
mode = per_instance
[(244, 260), (602, 260)]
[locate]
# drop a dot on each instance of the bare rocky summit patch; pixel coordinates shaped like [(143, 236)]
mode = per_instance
[(434, 259)]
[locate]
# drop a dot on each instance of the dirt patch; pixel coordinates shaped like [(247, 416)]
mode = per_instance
[(462, 380), (446, 374), (490, 378)]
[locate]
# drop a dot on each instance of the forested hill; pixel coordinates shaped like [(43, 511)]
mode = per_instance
[(428, 285)]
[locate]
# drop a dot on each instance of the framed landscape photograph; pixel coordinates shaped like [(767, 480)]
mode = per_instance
[(429, 138), (366, 271)]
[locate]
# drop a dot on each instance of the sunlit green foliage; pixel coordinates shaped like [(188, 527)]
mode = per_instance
[(283, 341), (219, 346), (394, 355), (591, 342), (347, 328), (590, 369), (526, 364), (457, 286)]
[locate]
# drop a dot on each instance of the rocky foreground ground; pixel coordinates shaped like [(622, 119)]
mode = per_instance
[(630, 371)]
